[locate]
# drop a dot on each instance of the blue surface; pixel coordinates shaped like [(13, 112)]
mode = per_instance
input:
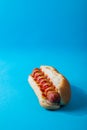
[(46, 32)]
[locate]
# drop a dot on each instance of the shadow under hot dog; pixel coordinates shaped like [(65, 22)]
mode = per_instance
[(78, 102)]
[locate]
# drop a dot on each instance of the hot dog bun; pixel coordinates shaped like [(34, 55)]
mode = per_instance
[(62, 87)]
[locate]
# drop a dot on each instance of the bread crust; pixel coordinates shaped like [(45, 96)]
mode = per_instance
[(62, 86)]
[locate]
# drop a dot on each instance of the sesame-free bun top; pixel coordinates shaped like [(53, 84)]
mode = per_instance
[(60, 82)]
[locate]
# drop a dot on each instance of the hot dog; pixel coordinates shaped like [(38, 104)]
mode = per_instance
[(51, 87)]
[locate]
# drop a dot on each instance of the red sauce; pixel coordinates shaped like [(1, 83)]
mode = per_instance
[(46, 86)]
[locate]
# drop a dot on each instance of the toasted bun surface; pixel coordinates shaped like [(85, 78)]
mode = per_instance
[(61, 84)]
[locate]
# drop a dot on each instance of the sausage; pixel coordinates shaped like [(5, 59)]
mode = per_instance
[(46, 86), (53, 97)]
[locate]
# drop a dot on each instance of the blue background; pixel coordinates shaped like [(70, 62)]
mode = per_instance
[(34, 33)]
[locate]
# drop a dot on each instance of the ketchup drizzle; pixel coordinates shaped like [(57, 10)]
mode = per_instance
[(43, 82)]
